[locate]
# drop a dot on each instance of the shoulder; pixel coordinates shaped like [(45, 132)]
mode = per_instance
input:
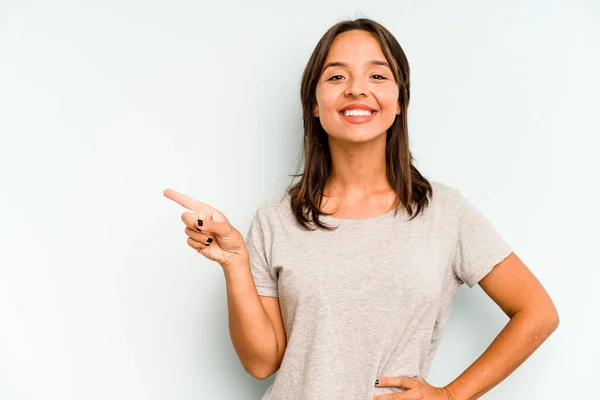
[(444, 194), (447, 203), (275, 210), (274, 205)]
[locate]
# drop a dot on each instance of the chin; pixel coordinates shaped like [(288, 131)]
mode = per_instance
[(358, 137)]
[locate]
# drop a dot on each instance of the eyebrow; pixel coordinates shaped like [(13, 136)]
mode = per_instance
[(342, 64)]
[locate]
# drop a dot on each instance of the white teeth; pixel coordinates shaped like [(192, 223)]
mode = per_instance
[(356, 113)]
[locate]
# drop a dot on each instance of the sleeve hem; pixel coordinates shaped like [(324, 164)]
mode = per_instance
[(486, 268), (267, 291)]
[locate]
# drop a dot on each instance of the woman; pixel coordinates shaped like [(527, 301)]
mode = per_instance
[(345, 282)]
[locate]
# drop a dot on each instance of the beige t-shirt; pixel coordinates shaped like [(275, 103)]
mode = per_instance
[(371, 298)]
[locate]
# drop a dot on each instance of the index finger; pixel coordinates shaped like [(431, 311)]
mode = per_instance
[(184, 200)]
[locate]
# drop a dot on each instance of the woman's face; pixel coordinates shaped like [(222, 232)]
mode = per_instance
[(357, 97)]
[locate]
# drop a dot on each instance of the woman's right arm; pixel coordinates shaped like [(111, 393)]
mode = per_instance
[(255, 323)]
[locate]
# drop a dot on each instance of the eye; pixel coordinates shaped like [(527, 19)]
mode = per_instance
[(379, 77), (335, 78)]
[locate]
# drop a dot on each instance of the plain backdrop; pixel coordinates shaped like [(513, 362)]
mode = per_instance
[(104, 104)]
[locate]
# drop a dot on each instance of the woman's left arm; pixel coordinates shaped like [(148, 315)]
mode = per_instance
[(533, 318)]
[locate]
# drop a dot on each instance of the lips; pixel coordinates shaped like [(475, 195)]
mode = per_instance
[(356, 106), (357, 113)]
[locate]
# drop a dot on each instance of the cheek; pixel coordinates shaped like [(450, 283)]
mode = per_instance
[(326, 100), (388, 100)]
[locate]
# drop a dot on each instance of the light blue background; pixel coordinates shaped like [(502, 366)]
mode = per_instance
[(104, 104)]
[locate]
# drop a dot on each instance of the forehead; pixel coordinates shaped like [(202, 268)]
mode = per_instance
[(355, 46)]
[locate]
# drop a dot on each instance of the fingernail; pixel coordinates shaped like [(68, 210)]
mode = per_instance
[(200, 223), (209, 240), (376, 382)]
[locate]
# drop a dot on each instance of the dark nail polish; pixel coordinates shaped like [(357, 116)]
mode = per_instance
[(377, 382), (209, 240), (200, 223)]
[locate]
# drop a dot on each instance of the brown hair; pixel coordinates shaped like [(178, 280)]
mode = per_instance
[(411, 187)]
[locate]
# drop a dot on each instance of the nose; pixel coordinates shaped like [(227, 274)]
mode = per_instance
[(357, 86)]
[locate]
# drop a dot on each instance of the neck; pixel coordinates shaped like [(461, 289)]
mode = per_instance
[(358, 169)]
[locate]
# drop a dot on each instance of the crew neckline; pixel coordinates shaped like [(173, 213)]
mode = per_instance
[(346, 221), (402, 214)]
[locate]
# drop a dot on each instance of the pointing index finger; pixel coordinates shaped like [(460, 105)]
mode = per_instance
[(183, 200)]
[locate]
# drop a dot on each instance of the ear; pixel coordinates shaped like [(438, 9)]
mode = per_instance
[(316, 110), (398, 110)]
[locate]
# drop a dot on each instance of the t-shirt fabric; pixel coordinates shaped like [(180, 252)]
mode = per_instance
[(371, 298)]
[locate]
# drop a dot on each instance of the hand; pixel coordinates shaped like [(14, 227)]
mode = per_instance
[(215, 239), (416, 389)]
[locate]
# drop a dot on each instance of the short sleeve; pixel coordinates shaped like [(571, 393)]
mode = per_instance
[(479, 246), (258, 242)]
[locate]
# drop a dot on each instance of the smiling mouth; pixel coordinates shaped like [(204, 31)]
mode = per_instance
[(358, 116)]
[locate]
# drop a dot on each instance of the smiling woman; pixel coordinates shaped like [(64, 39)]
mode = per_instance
[(355, 92), (345, 282)]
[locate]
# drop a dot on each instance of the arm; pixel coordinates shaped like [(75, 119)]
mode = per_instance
[(533, 318), (255, 323)]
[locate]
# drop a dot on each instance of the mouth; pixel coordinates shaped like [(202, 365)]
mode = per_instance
[(358, 116)]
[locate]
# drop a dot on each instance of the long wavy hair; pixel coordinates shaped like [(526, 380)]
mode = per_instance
[(412, 189)]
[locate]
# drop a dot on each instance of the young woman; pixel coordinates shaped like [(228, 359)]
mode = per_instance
[(345, 283)]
